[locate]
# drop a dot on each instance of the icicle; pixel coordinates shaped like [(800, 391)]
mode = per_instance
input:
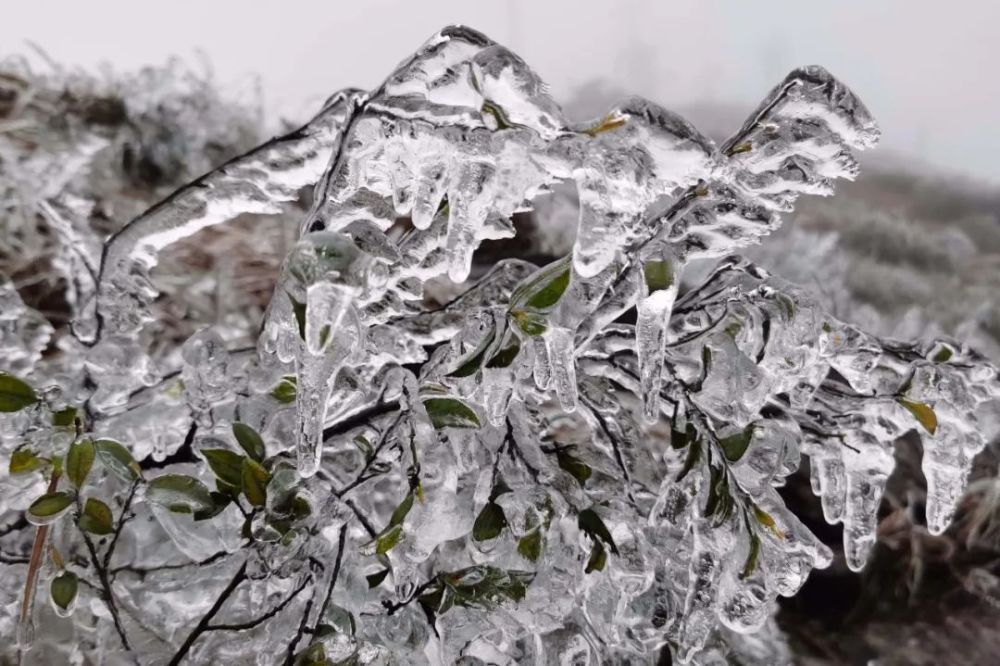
[(562, 358), (469, 201), (652, 322)]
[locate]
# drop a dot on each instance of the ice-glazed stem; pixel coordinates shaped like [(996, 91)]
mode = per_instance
[(25, 624), (258, 181), (652, 324)]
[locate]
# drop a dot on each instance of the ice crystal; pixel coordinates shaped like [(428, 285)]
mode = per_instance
[(517, 476)]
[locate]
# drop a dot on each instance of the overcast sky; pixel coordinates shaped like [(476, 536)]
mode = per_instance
[(927, 69)]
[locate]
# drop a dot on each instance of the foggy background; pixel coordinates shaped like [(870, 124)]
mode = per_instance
[(925, 69)]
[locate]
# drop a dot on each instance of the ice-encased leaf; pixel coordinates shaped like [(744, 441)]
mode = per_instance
[(63, 591), (250, 440), (451, 413), (79, 459), (49, 507), (96, 517), (179, 493), (117, 460), (15, 394)]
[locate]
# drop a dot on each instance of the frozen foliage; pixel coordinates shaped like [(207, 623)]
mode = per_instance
[(518, 476)]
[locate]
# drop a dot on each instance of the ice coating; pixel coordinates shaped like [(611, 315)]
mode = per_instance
[(256, 182), (513, 476)]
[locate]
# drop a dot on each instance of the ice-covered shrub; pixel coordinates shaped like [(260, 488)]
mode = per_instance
[(569, 464)]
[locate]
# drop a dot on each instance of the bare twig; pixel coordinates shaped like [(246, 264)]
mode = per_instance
[(201, 627), (250, 624)]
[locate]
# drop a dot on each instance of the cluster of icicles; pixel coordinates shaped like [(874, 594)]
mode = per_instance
[(745, 371)]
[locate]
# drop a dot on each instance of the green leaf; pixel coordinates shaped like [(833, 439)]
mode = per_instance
[(226, 464), (598, 558), (340, 619), (591, 524), (179, 493), (506, 356), (450, 413), (64, 418), (79, 460), (220, 500), (286, 389), (574, 466), (679, 439), (25, 460), (659, 275), (736, 445), (96, 517), (787, 307), (718, 490), (481, 586), (530, 324), (375, 579), (389, 540), (117, 460), (250, 441), (543, 289), (943, 354), (693, 456), (254, 480), (364, 446), (15, 395), (49, 507), (489, 523), (923, 413), (472, 362), (498, 114), (751, 562), (314, 655), (765, 519), (63, 590), (530, 545), (400, 512), (299, 309)]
